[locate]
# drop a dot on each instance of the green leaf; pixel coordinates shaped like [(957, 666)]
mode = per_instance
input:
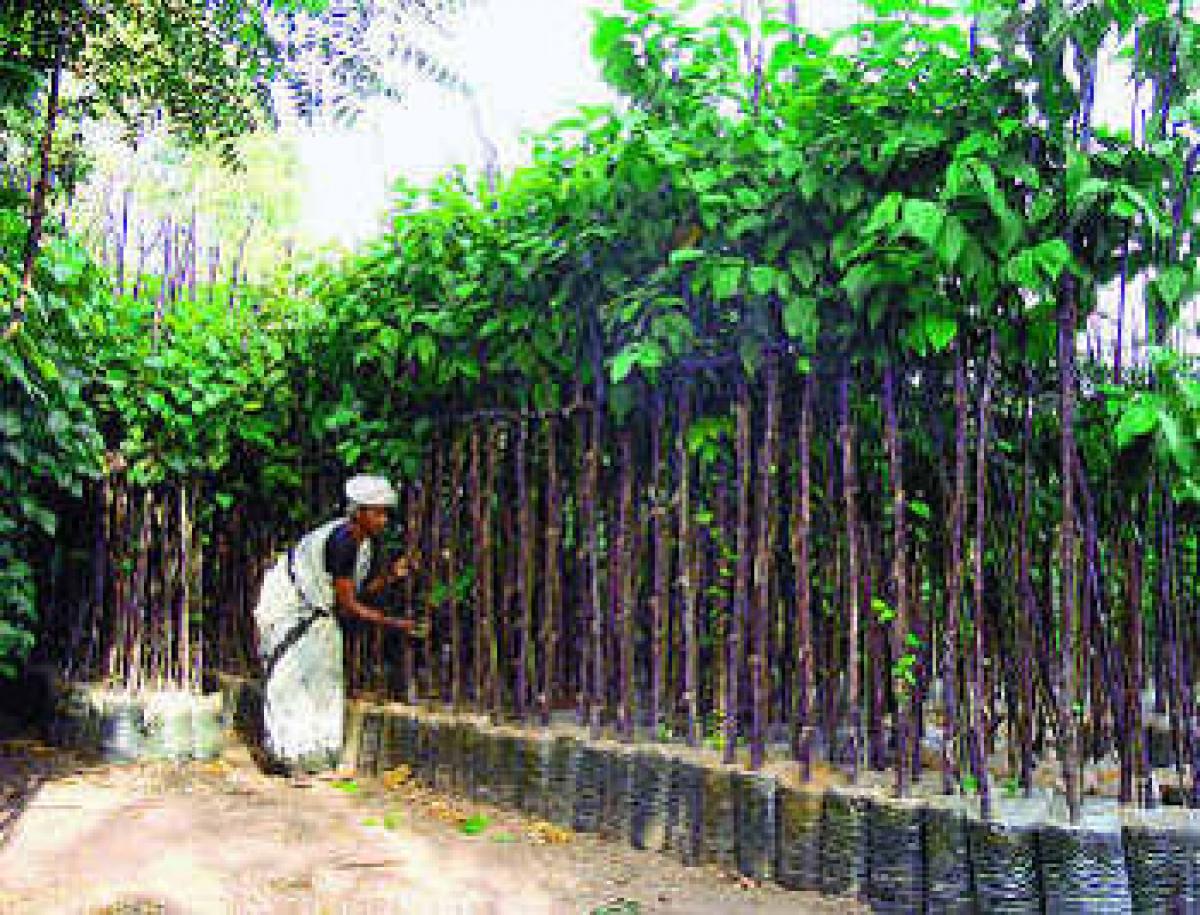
[(951, 241), (940, 330), (803, 271), (1022, 270), (800, 321), (1170, 284), (687, 255), (609, 30), (924, 220), (475, 825), (1178, 448), (762, 279), (750, 351), (886, 212), (1139, 419), (882, 611), (1052, 257), (727, 276), (425, 348), (918, 508)]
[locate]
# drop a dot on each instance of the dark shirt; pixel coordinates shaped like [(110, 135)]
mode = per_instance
[(341, 553)]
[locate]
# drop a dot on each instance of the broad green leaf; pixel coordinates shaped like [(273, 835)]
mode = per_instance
[(800, 321), (940, 330), (687, 255), (1140, 418), (923, 219), (726, 278), (886, 212), (762, 279), (1052, 257)]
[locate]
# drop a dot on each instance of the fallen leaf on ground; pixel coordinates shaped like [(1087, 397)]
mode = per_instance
[(396, 777), (550, 834), (475, 825)]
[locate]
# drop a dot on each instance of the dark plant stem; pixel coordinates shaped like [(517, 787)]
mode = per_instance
[(801, 537), (687, 584), (979, 617), (850, 497), (661, 533), (526, 658), (741, 581), (954, 576), (1068, 738), (626, 578), (900, 626), (41, 194), (552, 589), (765, 544)]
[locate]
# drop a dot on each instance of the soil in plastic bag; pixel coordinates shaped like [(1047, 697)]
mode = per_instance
[(1004, 856), (755, 795), (844, 841)]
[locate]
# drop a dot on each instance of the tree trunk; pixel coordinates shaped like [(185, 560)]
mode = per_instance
[(41, 194)]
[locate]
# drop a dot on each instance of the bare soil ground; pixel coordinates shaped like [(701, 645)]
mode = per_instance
[(221, 837)]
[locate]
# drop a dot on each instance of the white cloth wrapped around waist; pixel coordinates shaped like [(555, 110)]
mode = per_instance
[(292, 592)]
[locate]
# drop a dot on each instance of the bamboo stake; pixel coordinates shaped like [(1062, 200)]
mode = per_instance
[(765, 544), (686, 582), (745, 557), (527, 659), (626, 578), (661, 532), (977, 732), (954, 577), (487, 608), (1068, 740), (594, 604), (457, 674), (900, 627), (803, 730), (850, 496), (552, 592)]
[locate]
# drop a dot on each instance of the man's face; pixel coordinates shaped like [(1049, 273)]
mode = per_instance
[(374, 519)]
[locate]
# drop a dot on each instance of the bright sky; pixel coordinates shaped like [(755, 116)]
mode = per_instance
[(530, 65)]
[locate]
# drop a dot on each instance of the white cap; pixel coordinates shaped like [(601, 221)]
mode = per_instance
[(370, 491)]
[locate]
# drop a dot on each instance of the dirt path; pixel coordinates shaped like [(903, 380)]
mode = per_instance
[(223, 838)]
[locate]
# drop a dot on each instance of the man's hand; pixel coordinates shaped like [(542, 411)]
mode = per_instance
[(401, 624), (414, 628), (418, 629), (403, 566)]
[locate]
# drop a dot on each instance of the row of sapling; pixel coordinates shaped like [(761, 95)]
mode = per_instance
[(138, 624), (881, 676), (891, 555)]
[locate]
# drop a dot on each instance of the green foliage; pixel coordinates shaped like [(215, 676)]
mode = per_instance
[(204, 66), (49, 436), (878, 195), (1157, 426), (848, 198), (475, 825)]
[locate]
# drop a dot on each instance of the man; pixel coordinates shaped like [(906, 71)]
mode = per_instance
[(300, 639)]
